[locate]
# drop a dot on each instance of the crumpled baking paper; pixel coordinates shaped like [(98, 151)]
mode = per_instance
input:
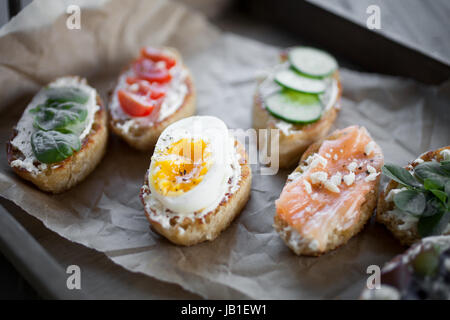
[(104, 212)]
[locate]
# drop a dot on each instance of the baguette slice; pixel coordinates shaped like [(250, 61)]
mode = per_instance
[(187, 232), (142, 133), (404, 227), (335, 217), (293, 140), (61, 176)]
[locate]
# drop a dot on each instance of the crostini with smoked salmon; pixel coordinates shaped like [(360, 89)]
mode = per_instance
[(331, 194)]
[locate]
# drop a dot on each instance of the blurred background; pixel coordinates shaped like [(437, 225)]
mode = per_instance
[(412, 41)]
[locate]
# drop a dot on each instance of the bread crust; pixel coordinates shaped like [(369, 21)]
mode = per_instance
[(63, 175), (213, 223), (294, 144), (409, 235), (337, 237), (144, 137)]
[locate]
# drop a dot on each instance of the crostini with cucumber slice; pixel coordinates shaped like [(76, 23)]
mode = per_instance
[(301, 98), (416, 202), (61, 136)]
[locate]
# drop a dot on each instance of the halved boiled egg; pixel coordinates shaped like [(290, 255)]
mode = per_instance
[(188, 170)]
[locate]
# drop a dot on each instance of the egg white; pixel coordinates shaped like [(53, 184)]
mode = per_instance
[(214, 183)]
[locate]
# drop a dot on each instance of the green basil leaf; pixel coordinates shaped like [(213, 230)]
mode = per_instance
[(445, 165), (440, 195), (447, 192), (430, 184), (411, 201), (54, 146), (433, 225), (66, 94), (401, 175), (432, 170), (434, 206), (67, 117)]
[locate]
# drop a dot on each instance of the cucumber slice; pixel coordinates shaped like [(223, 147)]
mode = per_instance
[(294, 107), (295, 81), (313, 62)]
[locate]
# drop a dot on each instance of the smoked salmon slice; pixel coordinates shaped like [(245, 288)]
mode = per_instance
[(331, 194)]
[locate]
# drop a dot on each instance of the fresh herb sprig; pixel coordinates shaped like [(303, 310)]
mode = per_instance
[(427, 194)]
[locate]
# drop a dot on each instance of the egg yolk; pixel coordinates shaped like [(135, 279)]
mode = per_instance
[(181, 166)]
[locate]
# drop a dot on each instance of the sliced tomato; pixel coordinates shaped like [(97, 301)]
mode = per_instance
[(157, 92), (157, 55), (134, 104), (149, 70), (145, 88)]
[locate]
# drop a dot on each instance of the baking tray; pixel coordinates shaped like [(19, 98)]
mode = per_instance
[(45, 274)]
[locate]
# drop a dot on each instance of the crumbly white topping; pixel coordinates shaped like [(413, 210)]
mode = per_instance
[(352, 166), (372, 177), (371, 169), (368, 149), (308, 187), (336, 179), (331, 186), (316, 159), (294, 176), (349, 178), (318, 177)]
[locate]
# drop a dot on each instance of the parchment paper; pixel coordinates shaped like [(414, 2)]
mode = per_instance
[(104, 212)]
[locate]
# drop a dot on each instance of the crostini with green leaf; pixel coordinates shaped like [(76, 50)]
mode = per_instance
[(416, 202), (61, 136)]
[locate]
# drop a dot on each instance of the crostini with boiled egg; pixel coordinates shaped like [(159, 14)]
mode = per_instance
[(154, 91), (198, 181), (331, 194), (61, 136), (416, 202), (301, 98)]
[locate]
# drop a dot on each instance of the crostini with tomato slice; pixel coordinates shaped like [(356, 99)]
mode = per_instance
[(155, 90)]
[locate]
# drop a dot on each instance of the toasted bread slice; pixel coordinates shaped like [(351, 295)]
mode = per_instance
[(187, 232), (294, 140), (403, 227), (61, 176), (142, 132), (359, 204)]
